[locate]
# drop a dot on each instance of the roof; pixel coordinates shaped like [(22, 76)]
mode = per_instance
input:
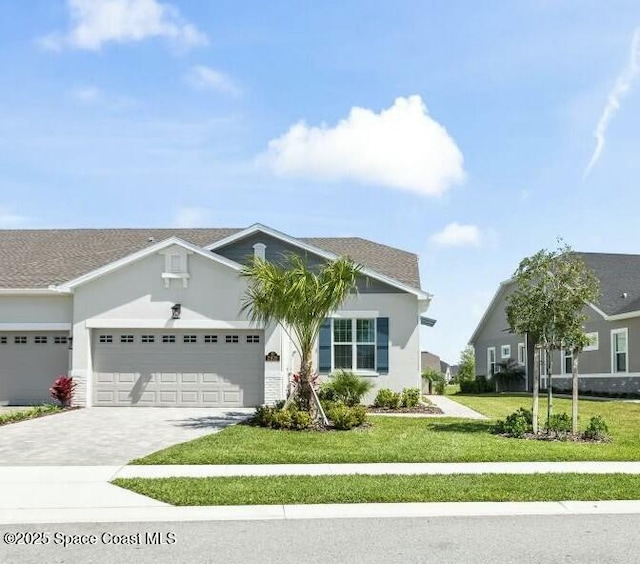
[(42, 257), (618, 274)]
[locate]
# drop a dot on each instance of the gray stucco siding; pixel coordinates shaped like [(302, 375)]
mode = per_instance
[(276, 250)]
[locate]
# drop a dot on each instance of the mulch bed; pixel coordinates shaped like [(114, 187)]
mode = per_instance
[(554, 437), (427, 409)]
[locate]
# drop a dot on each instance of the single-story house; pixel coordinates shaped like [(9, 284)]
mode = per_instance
[(151, 317), (434, 362), (609, 364)]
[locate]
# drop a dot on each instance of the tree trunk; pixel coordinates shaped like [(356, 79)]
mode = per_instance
[(305, 393), (574, 393), (549, 387), (536, 386)]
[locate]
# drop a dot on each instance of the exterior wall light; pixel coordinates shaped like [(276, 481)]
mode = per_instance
[(175, 311)]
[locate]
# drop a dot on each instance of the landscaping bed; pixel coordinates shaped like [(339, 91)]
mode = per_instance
[(29, 413), (282, 490), (421, 408)]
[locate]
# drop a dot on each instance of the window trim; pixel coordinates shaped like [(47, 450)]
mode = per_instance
[(523, 348), (490, 372), (625, 331), (564, 354), (502, 349), (354, 345)]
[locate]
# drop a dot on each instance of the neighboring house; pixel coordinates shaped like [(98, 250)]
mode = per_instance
[(453, 370), (446, 370), (610, 364), (151, 317), (429, 361)]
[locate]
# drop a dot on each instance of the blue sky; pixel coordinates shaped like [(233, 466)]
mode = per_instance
[(474, 130)]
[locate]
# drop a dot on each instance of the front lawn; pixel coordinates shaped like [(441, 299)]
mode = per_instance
[(282, 490), (396, 439)]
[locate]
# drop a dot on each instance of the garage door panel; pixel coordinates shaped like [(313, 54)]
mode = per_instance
[(179, 373), (29, 363)]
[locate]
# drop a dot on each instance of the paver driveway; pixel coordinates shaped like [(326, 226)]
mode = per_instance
[(107, 435)]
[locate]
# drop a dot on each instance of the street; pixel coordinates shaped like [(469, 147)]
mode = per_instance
[(537, 539)]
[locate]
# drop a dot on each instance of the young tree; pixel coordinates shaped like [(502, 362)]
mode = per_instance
[(467, 364), (299, 299), (552, 288)]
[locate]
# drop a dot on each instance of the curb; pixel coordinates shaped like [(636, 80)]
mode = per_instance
[(329, 511)]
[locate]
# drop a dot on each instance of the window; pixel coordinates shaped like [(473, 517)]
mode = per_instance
[(619, 350), (148, 338), (175, 263), (3, 340), (354, 344), (505, 351), (40, 340), (189, 338), (61, 340), (491, 361), (126, 338), (168, 338), (253, 338), (106, 338), (522, 354), (211, 338), (567, 362), (231, 339), (593, 342), (20, 340)]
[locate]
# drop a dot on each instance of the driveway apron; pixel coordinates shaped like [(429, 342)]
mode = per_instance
[(107, 435)]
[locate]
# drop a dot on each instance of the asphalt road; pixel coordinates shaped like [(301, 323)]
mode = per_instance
[(554, 539)]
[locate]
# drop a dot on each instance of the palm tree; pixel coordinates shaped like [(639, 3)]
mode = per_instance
[(299, 299)]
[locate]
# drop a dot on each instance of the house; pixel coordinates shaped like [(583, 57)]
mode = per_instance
[(610, 364), (151, 317)]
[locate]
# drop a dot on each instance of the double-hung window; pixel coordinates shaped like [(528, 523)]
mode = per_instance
[(491, 361), (620, 350), (354, 344), (522, 354), (567, 362)]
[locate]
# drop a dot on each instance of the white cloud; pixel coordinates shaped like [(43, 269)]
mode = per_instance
[(202, 77), (96, 22), (402, 147), (87, 94), (191, 217), (621, 88), (458, 235), (9, 219)]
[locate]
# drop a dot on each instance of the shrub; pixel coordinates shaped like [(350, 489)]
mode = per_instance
[(410, 397), (597, 429), (63, 390), (276, 417), (478, 386), (387, 398), (559, 423), (437, 379), (344, 386), (516, 424), (345, 418)]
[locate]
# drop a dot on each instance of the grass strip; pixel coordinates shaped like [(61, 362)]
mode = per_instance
[(279, 490)]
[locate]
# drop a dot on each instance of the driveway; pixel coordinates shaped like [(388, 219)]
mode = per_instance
[(107, 435)]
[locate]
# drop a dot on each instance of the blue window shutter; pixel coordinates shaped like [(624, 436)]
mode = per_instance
[(324, 347), (382, 345)]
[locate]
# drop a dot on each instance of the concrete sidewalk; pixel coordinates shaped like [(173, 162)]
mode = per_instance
[(408, 468), (451, 408), (70, 494)]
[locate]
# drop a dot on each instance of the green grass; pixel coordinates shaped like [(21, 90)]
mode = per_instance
[(396, 439), (385, 489), (28, 413)]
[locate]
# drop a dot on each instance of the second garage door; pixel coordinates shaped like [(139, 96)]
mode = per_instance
[(178, 368)]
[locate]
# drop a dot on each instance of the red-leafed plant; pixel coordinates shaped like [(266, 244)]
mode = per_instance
[(63, 390)]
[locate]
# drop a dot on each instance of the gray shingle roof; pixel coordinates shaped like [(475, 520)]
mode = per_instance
[(618, 274), (39, 258)]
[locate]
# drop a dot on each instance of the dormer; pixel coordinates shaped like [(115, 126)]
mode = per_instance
[(176, 265)]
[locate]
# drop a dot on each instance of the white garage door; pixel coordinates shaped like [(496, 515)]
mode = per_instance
[(29, 363), (178, 368)]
